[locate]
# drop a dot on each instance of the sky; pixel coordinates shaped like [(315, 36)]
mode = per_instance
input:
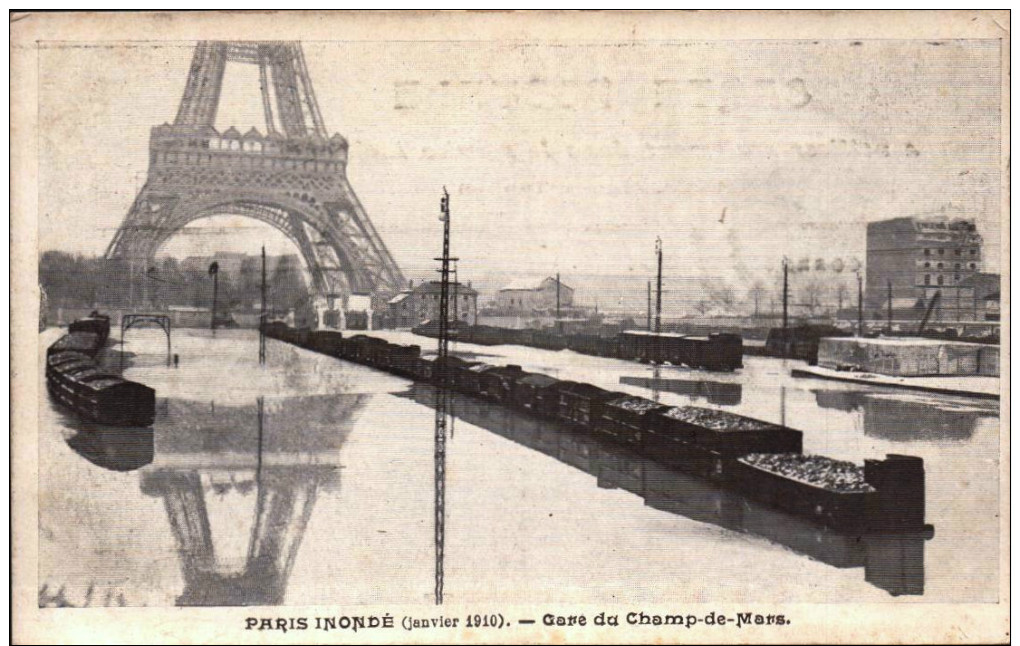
[(573, 156)]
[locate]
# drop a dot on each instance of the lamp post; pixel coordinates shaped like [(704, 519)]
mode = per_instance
[(214, 271)]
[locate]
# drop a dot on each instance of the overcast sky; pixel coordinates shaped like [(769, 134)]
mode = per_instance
[(572, 157)]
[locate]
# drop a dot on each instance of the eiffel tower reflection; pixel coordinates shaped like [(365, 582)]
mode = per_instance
[(274, 457)]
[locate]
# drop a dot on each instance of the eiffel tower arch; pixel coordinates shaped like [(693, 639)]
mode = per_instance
[(293, 177)]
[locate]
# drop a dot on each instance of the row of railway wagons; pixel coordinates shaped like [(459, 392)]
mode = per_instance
[(757, 458), (721, 352)]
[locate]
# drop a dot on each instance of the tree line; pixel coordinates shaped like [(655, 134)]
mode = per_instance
[(71, 280)]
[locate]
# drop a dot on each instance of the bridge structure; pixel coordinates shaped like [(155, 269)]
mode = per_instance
[(292, 177)]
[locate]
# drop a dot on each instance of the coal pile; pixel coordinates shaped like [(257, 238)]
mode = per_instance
[(817, 470), (716, 420), (637, 405)]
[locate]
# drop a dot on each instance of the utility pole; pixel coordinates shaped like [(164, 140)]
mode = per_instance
[(442, 394), (456, 292), (786, 293), (649, 324), (262, 312), (658, 288), (559, 323), (860, 305), (889, 288)]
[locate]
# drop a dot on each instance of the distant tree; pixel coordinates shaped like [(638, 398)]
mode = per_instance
[(842, 295), (756, 293), (813, 294), (287, 286)]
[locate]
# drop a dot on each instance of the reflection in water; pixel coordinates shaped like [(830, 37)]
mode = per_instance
[(269, 460), (892, 563), (902, 418), (713, 392), (113, 448)]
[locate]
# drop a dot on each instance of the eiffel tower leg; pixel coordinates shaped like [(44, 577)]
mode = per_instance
[(189, 518), (284, 506), (383, 268), (145, 227), (300, 237)]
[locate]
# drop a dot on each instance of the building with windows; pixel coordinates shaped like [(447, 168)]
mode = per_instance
[(528, 296), (916, 257), (414, 306), (979, 297)]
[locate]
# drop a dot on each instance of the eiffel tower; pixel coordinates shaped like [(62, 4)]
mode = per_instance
[(293, 177)]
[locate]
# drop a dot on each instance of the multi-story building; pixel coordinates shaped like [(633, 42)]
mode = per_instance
[(528, 296), (415, 306), (917, 257)]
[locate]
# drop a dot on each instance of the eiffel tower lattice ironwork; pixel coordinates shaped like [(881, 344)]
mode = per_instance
[(293, 177)]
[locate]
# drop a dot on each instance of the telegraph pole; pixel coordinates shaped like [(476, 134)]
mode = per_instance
[(649, 325), (442, 394), (658, 288), (262, 312), (456, 296), (860, 305), (786, 293), (889, 289), (559, 323)]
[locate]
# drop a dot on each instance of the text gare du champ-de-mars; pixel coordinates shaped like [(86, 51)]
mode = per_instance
[(496, 621)]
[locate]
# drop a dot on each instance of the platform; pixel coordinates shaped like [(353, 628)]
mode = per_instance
[(967, 386)]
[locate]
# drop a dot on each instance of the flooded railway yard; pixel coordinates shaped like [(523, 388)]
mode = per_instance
[(261, 485)]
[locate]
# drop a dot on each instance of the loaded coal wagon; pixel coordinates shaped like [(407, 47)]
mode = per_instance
[(329, 342), (403, 359), (705, 440), (625, 419), (497, 383), (531, 392), (579, 403), (883, 495)]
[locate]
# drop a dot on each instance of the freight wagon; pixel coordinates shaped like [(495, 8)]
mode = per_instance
[(626, 419), (577, 403), (530, 392), (327, 342), (750, 456), (723, 352), (497, 383)]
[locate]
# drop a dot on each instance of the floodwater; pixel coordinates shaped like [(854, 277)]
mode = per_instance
[(310, 481)]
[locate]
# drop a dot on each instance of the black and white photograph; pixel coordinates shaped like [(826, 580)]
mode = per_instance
[(526, 327)]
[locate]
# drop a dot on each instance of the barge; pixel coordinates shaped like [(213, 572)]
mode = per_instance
[(758, 459), (74, 379)]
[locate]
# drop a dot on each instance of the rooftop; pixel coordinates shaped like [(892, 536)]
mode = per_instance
[(529, 284), (435, 287)]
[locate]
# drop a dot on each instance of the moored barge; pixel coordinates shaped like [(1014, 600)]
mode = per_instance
[(75, 380)]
